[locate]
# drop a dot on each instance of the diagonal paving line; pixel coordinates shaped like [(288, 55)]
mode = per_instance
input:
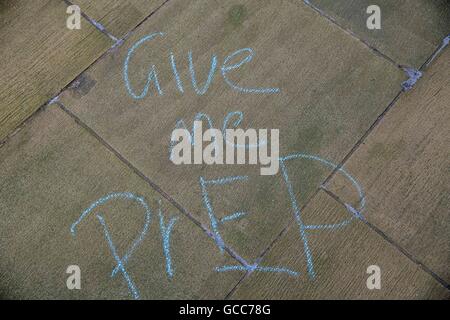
[(103, 29), (392, 242), (153, 185), (363, 138), (378, 120), (94, 23), (308, 201), (340, 166), (117, 43), (436, 52), (412, 73), (132, 31), (55, 100)]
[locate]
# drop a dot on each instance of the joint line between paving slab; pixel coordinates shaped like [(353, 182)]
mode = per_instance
[(236, 286), (153, 185), (272, 243), (55, 100), (393, 243), (117, 41), (93, 22), (341, 164), (438, 50), (120, 42), (363, 138), (132, 31), (349, 32)]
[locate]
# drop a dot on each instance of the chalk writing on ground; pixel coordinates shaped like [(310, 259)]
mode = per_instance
[(233, 119), (215, 223)]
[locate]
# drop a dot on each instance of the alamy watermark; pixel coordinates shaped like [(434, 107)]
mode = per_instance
[(232, 146), (374, 20), (374, 279)]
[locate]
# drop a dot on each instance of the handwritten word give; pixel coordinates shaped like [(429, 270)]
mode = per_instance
[(229, 64)]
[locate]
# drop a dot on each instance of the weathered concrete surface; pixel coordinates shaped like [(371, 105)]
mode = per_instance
[(39, 56), (341, 258), (404, 166), (118, 17), (53, 170), (332, 89), (410, 29)]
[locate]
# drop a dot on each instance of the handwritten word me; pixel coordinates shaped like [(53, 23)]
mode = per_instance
[(229, 64), (214, 152)]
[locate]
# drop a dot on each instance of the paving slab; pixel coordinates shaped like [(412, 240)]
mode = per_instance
[(341, 258), (332, 88), (52, 172), (118, 17), (404, 165), (40, 56), (410, 29)]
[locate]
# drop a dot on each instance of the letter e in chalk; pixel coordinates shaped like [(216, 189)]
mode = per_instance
[(374, 280)]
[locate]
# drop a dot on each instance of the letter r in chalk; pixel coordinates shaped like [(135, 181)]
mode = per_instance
[(74, 18)]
